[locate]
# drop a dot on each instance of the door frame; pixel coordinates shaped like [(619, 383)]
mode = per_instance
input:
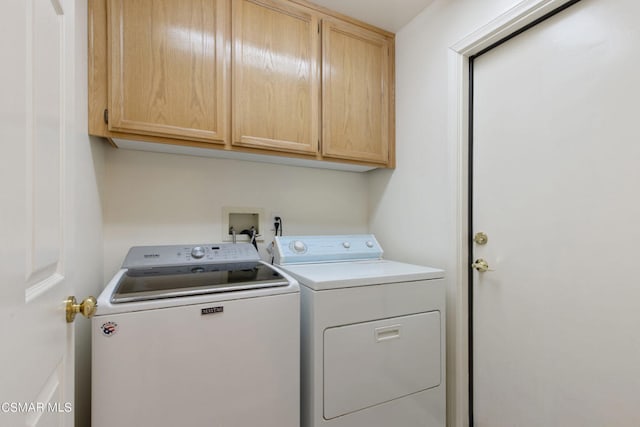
[(460, 90)]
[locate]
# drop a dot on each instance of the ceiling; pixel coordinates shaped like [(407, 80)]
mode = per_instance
[(390, 15)]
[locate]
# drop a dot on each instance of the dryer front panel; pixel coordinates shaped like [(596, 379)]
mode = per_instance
[(370, 363)]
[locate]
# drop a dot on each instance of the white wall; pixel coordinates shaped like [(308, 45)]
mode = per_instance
[(85, 169), (86, 269), (412, 209), (154, 198)]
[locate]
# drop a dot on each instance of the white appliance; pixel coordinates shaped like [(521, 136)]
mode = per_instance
[(373, 334), (204, 335)]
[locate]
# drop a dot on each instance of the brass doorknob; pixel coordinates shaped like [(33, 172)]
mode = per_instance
[(87, 308), (481, 265), (481, 238)]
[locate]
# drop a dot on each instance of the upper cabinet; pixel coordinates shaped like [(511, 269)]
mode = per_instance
[(356, 77), (280, 78), (276, 76), (168, 68)]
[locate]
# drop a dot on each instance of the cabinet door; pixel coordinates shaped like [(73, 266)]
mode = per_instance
[(276, 76), (356, 81), (167, 68)]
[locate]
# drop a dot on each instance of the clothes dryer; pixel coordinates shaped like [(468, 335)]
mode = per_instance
[(372, 334)]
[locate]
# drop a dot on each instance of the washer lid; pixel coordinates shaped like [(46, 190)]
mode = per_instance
[(322, 276), (144, 284)]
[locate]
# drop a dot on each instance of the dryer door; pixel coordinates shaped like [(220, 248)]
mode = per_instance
[(370, 363)]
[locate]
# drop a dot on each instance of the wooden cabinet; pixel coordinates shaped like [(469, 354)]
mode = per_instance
[(356, 84), (276, 77), (258, 77), (168, 68)]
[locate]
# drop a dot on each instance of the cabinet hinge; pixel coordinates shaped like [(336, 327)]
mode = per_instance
[(106, 115)]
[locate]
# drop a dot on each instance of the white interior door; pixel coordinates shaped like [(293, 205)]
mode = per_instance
[(36, 361), (556, 189)]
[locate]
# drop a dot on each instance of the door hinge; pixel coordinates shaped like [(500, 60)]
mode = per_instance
[(318, 28), (105, 116)]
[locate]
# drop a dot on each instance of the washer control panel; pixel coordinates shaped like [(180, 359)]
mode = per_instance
[(172, 255), (307, 249)]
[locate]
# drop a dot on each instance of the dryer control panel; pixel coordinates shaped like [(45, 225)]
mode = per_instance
[(336, 248)]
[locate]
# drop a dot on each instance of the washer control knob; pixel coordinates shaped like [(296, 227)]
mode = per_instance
[(346, 245), (369, 244), (299, 246), (197, 252)]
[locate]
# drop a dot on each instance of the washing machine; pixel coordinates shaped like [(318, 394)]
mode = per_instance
[(372, 334), (196, 335)]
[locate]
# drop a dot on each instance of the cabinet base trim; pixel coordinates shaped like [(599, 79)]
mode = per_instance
[(234, 155)]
